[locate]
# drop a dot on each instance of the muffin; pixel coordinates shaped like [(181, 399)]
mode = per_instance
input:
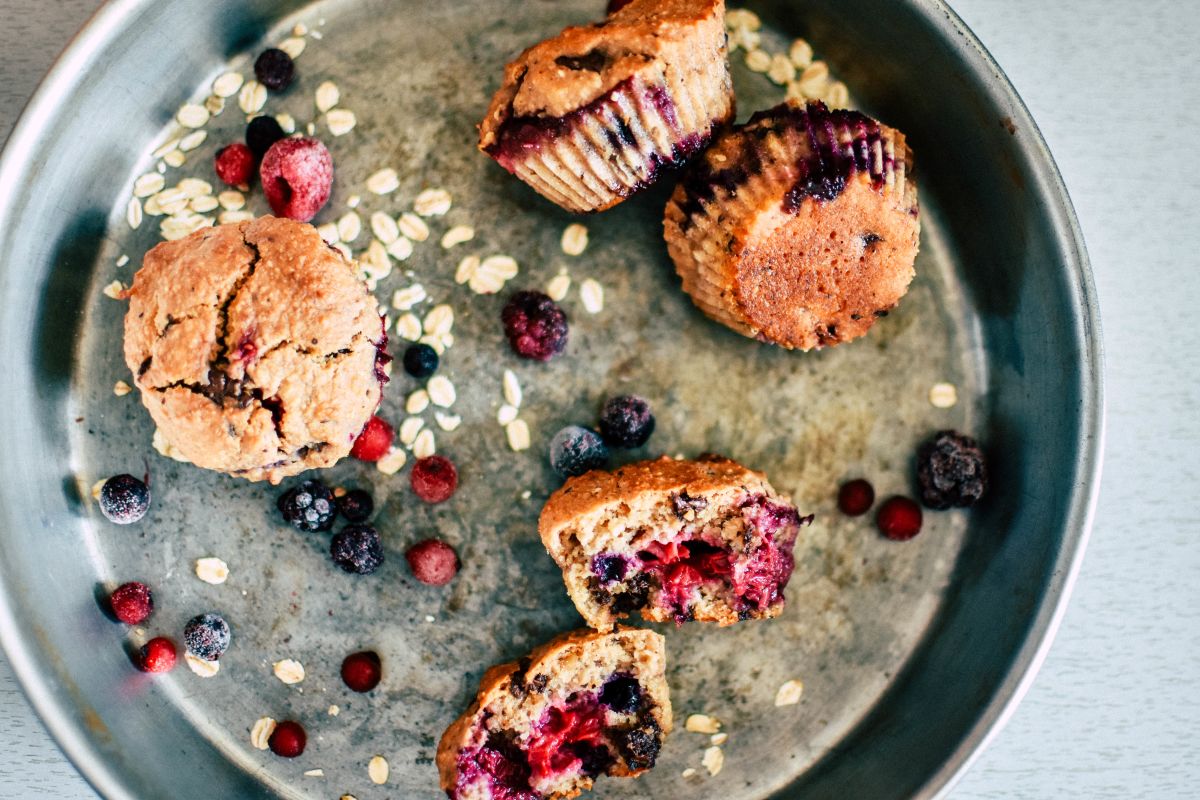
[(799, 228), (257, 349), (585, 704), (596, 113), (705, 540)]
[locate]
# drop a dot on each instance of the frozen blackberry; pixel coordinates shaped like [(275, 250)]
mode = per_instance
[(261, 133), (124, 499), (275, 69), (536, 327), (206, 636), (309, 507), (357, 549), (356, 505), (575, 450), (951, 471), (420, 360), (626, 421)]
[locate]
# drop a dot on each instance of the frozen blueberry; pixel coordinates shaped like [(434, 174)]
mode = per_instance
[(622, 694), (609, 569), (640, 746), (536, 327), (124, 499), (420, 360), (309, 507), (357, 549), (275, 69), (951, 471), (356, 505), (626, 421), (575, 450), (261, 133), (206, 636)]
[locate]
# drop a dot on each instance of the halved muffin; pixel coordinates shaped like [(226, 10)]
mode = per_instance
[(583, 705), (596, 113), (705, 540), (799, 228)]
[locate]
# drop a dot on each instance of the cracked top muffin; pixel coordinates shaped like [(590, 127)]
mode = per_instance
[(800, 227), (595, 114), (257, 349)]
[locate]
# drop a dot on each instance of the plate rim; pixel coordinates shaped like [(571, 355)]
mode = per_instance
[(99, 32)]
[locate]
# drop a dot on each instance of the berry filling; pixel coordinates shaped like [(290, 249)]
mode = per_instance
[(749, 574), (572, 740), (840, 144), (521, 137)]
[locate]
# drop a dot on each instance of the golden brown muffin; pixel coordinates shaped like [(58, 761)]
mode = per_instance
[(799, 228), (596, 113), (705, 540), (256, 348), (583, 705)]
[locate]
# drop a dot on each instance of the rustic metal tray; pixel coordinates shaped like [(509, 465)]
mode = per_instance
[(911, 655)]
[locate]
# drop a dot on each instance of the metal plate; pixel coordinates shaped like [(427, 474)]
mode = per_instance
[(911, 655)]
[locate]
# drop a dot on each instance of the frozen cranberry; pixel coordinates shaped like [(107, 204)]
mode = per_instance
[(297, 177), (433, 562), (434, 479), (374, 441), (856, 497), (899, 519), (132, 602), (157, 655), (235, 164), (275, 69), (536, 327), (362, 671), (261, 133), (288, 739)]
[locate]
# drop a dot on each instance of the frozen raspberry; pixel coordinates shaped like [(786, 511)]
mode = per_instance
[(235, 164), (131, 603), (157, 655), (357, 549), (374, 441), (356, 505), (536, 327), (951, 471), (261, 133), (420, 360), (206, 636), (362, 671), (274, 69), (434, 479), (899, 519), (309, 507), (433, 562), (288, 739), (856, 497), (124, 499), (297, 177), (575, 450), (626, 421)]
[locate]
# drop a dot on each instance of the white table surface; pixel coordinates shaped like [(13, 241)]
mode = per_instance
[(1113, 85)]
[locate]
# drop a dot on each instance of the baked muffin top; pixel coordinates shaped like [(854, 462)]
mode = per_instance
[(579, 65)]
